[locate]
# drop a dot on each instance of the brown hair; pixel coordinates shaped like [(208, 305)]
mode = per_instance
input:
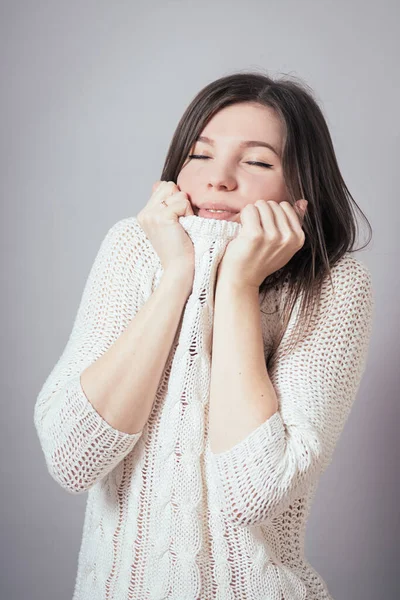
[(310, 171)]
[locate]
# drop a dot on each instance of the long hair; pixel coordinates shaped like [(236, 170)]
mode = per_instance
[(310, 171)]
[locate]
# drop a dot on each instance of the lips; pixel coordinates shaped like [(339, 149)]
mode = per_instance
[(225, 215), (223, 207), (216, 206)]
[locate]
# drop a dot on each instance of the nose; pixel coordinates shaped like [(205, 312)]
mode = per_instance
[(221, 179)]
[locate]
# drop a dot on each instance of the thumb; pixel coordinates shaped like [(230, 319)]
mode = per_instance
[(189, 210)]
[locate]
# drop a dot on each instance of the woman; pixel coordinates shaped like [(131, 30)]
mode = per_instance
[(184, 403)]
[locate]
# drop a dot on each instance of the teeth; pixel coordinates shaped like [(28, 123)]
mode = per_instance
[(216, 211)]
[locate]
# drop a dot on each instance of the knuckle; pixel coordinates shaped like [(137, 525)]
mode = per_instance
[(255, 236), (274, 236)]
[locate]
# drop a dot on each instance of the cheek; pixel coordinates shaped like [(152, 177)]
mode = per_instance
[(274, 187), (182, 178), (185, 181)]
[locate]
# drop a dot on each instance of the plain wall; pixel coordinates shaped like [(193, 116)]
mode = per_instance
[(91, 93)]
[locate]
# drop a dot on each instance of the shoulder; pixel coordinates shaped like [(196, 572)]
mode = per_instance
[(346, 298), (128, 230), (127, 227), (127, 242), (351, 269), (351, 279), (349, 276), (346, 309)]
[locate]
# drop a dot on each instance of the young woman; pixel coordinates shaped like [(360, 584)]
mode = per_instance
[(214, 358)]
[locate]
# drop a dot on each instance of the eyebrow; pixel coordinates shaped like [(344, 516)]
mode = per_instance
[(245, 144)]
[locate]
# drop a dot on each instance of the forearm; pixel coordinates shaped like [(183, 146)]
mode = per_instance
[(242, 396), (122, 383)]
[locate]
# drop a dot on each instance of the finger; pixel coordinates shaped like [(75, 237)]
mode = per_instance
[(250, 218), (294, 215), (278, 218), (164, 190)]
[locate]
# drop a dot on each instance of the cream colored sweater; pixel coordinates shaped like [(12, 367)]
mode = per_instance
[(162, 510)]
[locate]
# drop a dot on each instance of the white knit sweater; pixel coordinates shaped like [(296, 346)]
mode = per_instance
[(166, 518)]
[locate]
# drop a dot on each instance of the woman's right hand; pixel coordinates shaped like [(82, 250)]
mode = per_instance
[(167, 236)]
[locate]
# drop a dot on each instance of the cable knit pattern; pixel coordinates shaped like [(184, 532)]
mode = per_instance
[(166, 518)]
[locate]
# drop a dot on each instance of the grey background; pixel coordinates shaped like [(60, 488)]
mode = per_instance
[(91, 93)]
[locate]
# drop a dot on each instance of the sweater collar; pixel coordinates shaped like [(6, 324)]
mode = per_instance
[(200, 227)]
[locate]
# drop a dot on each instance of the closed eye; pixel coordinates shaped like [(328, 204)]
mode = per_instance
[(251, 162)]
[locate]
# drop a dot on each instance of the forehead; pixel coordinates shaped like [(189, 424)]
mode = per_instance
[(245, 121)]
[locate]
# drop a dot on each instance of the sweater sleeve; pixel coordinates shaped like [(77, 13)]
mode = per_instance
[(316, 384), (79, 446)]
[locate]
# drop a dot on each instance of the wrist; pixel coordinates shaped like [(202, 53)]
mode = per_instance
[(180, 279), (230, 283)]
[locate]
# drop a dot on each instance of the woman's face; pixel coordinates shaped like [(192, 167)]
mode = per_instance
[(226, 175)]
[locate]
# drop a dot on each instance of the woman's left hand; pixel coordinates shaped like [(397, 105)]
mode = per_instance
[(271, 234)]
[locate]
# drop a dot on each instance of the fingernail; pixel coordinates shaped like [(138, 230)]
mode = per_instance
[(304, 204)]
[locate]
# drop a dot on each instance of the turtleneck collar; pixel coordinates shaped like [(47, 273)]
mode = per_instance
[(200, 227)]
